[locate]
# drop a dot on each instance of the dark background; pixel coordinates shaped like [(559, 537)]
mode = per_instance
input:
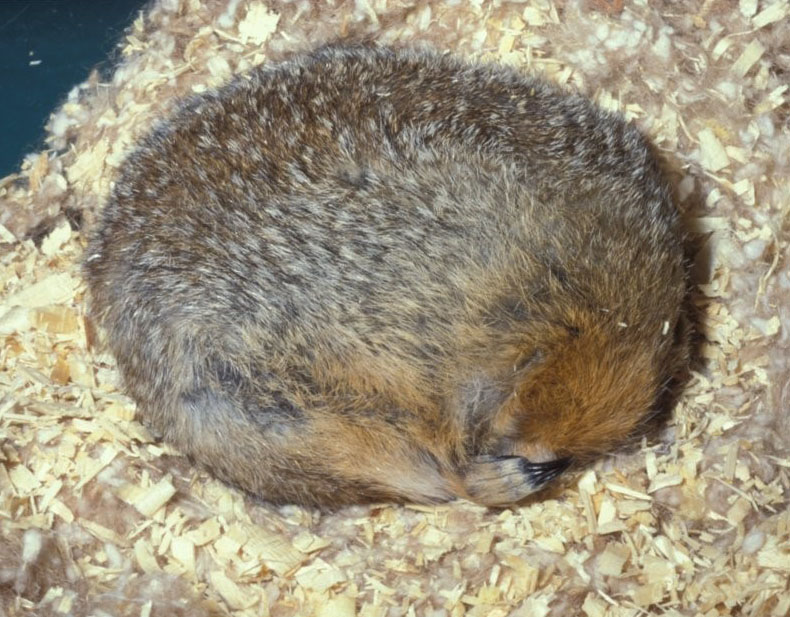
[(69, 37)]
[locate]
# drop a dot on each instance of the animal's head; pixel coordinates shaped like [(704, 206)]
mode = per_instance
[(590, 385)]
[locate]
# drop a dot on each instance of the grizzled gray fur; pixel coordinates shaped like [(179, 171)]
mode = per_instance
[(376, 274)]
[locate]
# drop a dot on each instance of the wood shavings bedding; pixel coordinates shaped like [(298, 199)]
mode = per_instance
[(99, 519)]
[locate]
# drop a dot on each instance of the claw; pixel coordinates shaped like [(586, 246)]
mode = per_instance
[(500, 480), (540, 474)]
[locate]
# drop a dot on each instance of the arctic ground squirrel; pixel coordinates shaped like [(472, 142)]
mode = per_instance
[(375, 274)]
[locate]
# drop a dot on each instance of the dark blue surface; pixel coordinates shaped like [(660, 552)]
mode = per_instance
[(70, 38)]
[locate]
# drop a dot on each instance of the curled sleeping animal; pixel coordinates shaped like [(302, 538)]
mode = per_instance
[(367, 274)]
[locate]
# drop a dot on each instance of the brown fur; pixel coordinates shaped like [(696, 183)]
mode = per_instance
[(368, 274)]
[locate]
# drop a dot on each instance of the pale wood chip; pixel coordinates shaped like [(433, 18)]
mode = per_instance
[(56, 288), (319, 575)]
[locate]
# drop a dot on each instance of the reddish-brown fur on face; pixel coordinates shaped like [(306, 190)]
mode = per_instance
[(587, 395)]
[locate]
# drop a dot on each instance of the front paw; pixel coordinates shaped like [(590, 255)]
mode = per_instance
[(502, 480)]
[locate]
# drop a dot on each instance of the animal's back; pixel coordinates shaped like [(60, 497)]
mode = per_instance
[(376, 246)]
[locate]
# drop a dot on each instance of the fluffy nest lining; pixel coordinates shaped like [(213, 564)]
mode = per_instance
[(98, 519)]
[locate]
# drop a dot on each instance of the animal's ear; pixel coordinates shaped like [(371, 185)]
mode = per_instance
[(506, 422), (528, 359)]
